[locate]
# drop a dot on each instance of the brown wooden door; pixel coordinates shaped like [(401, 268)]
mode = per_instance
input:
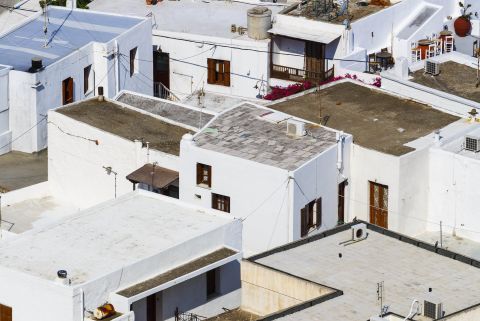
[(5, 313), (151, 308), (161, 68), (315, 60), (67, 91), (379, 204), (341, 202)]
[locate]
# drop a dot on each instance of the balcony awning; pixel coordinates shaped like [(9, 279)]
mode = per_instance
[(159, 178), (322, 37)]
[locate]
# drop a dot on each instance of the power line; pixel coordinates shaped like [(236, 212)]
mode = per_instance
[(24, 133)]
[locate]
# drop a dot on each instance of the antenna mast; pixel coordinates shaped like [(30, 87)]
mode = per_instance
[(44, 5)]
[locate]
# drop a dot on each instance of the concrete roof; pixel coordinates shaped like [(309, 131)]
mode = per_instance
[(120, 120), (209, 18), (376, 119), (408, 271), (67, 32), (121, 232), (168, 109), (20, 170), (216, 102), (260, 134)]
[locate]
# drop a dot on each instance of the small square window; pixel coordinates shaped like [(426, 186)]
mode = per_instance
[(311, 217), (218, 72), (204, 175), (221, 202), (87, 71)]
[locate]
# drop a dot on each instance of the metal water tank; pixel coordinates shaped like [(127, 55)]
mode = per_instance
[(259, 22)]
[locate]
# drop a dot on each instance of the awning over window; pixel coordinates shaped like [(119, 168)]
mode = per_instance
[(159, 178), (321, 37)]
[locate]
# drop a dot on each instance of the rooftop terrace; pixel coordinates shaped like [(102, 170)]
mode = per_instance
[(127, 123), (258, 134), (407, 267), (454, 78), (165, 108), (67, 31), (376, 120), (140, 225), (210, 18)]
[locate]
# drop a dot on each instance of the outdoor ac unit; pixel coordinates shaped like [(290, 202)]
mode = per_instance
[(432, 308), (295, 127), (472, 144), (359, 231), (432, 67)]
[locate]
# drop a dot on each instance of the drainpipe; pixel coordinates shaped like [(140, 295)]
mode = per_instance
[(117, 68), (340, 139), (82, 300)]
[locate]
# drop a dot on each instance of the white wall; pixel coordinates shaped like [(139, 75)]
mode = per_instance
[(75, 165), (247, 67), (5, 133)]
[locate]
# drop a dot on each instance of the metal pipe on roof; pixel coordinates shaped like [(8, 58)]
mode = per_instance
[(117, 68)]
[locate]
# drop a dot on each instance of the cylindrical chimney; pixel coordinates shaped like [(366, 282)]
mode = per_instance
[(100, 94)]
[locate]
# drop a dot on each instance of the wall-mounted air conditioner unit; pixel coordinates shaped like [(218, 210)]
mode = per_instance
[(432, 308), (432, 67), (296, 128), (472, 144), (359, 232)]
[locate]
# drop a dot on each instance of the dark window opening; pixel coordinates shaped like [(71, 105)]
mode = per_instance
[(86, 78), (221, 202), (133, 61), (218, 72), (211, 283), (204, 175), (311, 217), (67, 91)]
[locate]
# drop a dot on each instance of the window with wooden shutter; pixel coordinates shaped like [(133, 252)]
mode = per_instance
[(204, 175), (310, 217), (5, 313), (67, 91), (303, 222), (221, 202), (218, 72)]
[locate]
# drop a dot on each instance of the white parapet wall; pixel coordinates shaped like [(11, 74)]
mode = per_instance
[(5, 133)]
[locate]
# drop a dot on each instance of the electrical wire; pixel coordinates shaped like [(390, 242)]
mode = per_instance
[(24, 133), (73, 135)]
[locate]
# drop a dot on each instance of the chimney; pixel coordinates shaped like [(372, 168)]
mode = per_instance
[(100, 94), (37, 64)]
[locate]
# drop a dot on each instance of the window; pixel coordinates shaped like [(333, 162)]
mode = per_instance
[(311, 217), (5, 313), (204, 175), (221, 202), (86, 79), (133, 61), (67, 91), (218, 72), (211, 283)]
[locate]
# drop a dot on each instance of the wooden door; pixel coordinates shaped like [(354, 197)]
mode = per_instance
[(5, 313), (341, 202), (151, 307), (161, 68), (67, 91), (314, 61), (379, 204)]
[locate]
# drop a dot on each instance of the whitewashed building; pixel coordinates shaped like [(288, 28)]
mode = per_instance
[(150, 256), (81, 51), (279, 174)]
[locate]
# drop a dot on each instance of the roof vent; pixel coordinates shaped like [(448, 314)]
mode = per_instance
[(296, 128), (432, 308), (62, 277), (472, 144), (432, 67), (37, 65)]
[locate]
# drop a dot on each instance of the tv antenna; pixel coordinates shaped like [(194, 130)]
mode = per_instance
[(380, 297), (44, 5)]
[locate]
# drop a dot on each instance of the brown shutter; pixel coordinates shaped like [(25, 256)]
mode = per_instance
[(214, 201), (5, 313), (209, 169), (319, 212), (226, 73), (227, 204), (199, 173), (67, 91), (303, 222), (211, 71)]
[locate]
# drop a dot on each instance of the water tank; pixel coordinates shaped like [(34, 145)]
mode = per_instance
[(259, 22)]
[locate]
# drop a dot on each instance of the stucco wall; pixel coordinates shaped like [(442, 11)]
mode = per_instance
[(188, 62), (75, 164), (5, 133), (265, 291)]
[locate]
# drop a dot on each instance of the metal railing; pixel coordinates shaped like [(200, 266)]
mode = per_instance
[(160, 91), (187, 316), (295, 74)]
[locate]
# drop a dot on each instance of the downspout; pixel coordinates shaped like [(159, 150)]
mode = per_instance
[(117, 68), (82, 299), (340, 139)]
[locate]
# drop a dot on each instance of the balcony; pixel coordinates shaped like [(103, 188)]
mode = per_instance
[(294, 74)]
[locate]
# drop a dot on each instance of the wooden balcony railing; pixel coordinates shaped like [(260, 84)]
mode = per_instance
[(294, 74)]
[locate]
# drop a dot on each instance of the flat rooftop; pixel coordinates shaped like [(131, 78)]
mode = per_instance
[(67, 31), (20, 170), (119, 120), (217, 103), (457, 145), (407, 270), (376, 119), (122, 232), (209, 18), (332, 14), (167, 109), (454, 78), (260, 135)]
